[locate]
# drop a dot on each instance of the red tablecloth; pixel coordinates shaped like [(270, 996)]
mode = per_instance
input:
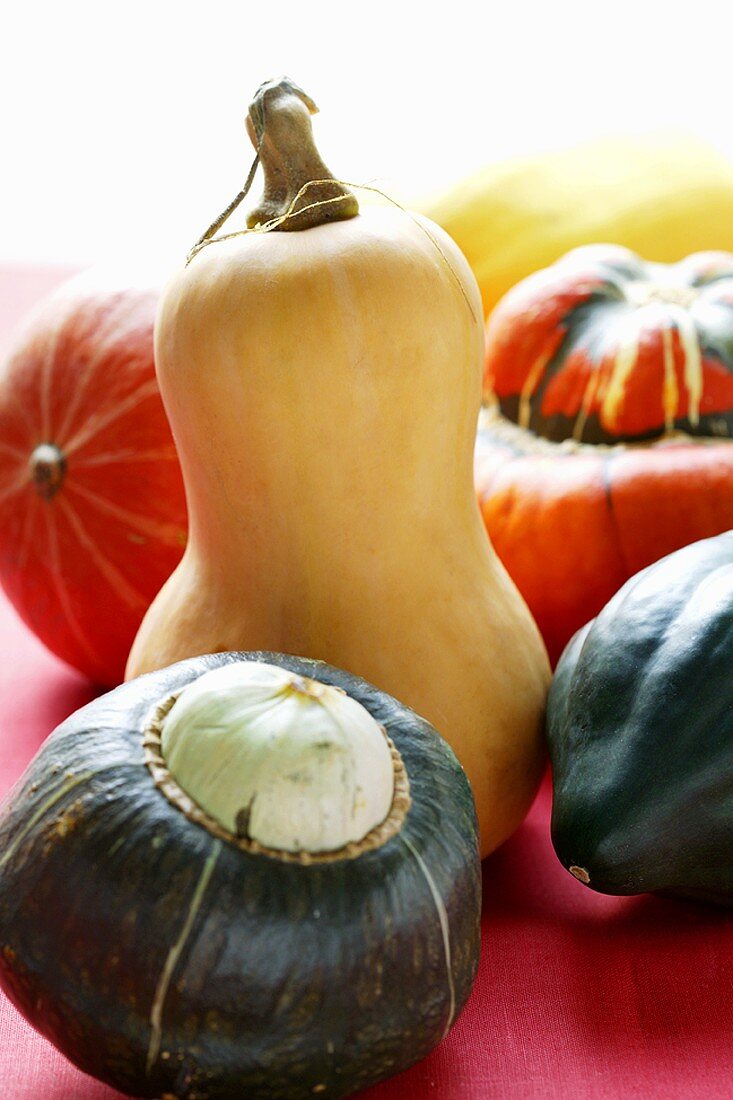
[(577, 995)]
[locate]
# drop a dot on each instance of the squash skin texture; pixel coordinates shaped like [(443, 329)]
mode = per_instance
[(605, 347), (290, 976), (323, 388), (599, 514), (661, 195), (82, 563), (640, 727), (606, 441)]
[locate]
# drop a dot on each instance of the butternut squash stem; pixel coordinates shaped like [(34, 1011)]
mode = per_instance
[(226, 214), (279, 125), (267, 227), (288, 161)]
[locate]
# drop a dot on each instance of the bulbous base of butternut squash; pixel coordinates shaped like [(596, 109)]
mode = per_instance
[(466, 657)]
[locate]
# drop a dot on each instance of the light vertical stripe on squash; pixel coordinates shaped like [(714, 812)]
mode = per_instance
[(671, 393), (69, 785), (161, 991), (623, 367), (530, 385), (587, 403), (444, 928), (59, 583), (692, 362)]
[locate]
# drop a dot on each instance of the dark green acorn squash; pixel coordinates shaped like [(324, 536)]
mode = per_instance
[(640, 727), (167, 960)]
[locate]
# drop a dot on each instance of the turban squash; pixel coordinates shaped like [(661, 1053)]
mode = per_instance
[(605, 441)]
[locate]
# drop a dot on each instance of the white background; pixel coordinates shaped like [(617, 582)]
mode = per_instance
[(122, 123)]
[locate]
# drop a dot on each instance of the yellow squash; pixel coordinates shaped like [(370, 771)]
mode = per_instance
[(323, 386), (662, 197)]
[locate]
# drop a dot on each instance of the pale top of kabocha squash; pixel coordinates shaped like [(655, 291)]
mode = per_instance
[(323, 387), (290, 762)]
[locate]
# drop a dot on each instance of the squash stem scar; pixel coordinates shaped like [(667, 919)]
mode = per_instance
[(161, 991), (444, 928), (580, 873)]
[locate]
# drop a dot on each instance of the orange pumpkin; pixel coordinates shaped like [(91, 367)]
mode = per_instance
[(605, 441), (92, 509)]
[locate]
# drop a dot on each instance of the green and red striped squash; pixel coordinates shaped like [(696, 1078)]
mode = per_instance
[(606, 441)]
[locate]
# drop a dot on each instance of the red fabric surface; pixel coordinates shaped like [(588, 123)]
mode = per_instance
[(577, 995)]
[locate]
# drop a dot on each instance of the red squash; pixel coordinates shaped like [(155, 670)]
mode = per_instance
[(92, 508), (606, 441)]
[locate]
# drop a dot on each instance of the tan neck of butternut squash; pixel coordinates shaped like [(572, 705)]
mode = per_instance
[(300, 191)]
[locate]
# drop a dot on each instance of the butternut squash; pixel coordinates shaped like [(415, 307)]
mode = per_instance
[(323, 386)]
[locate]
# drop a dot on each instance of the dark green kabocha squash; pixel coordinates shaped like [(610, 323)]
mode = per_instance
[(247, 875), (640, 726)]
